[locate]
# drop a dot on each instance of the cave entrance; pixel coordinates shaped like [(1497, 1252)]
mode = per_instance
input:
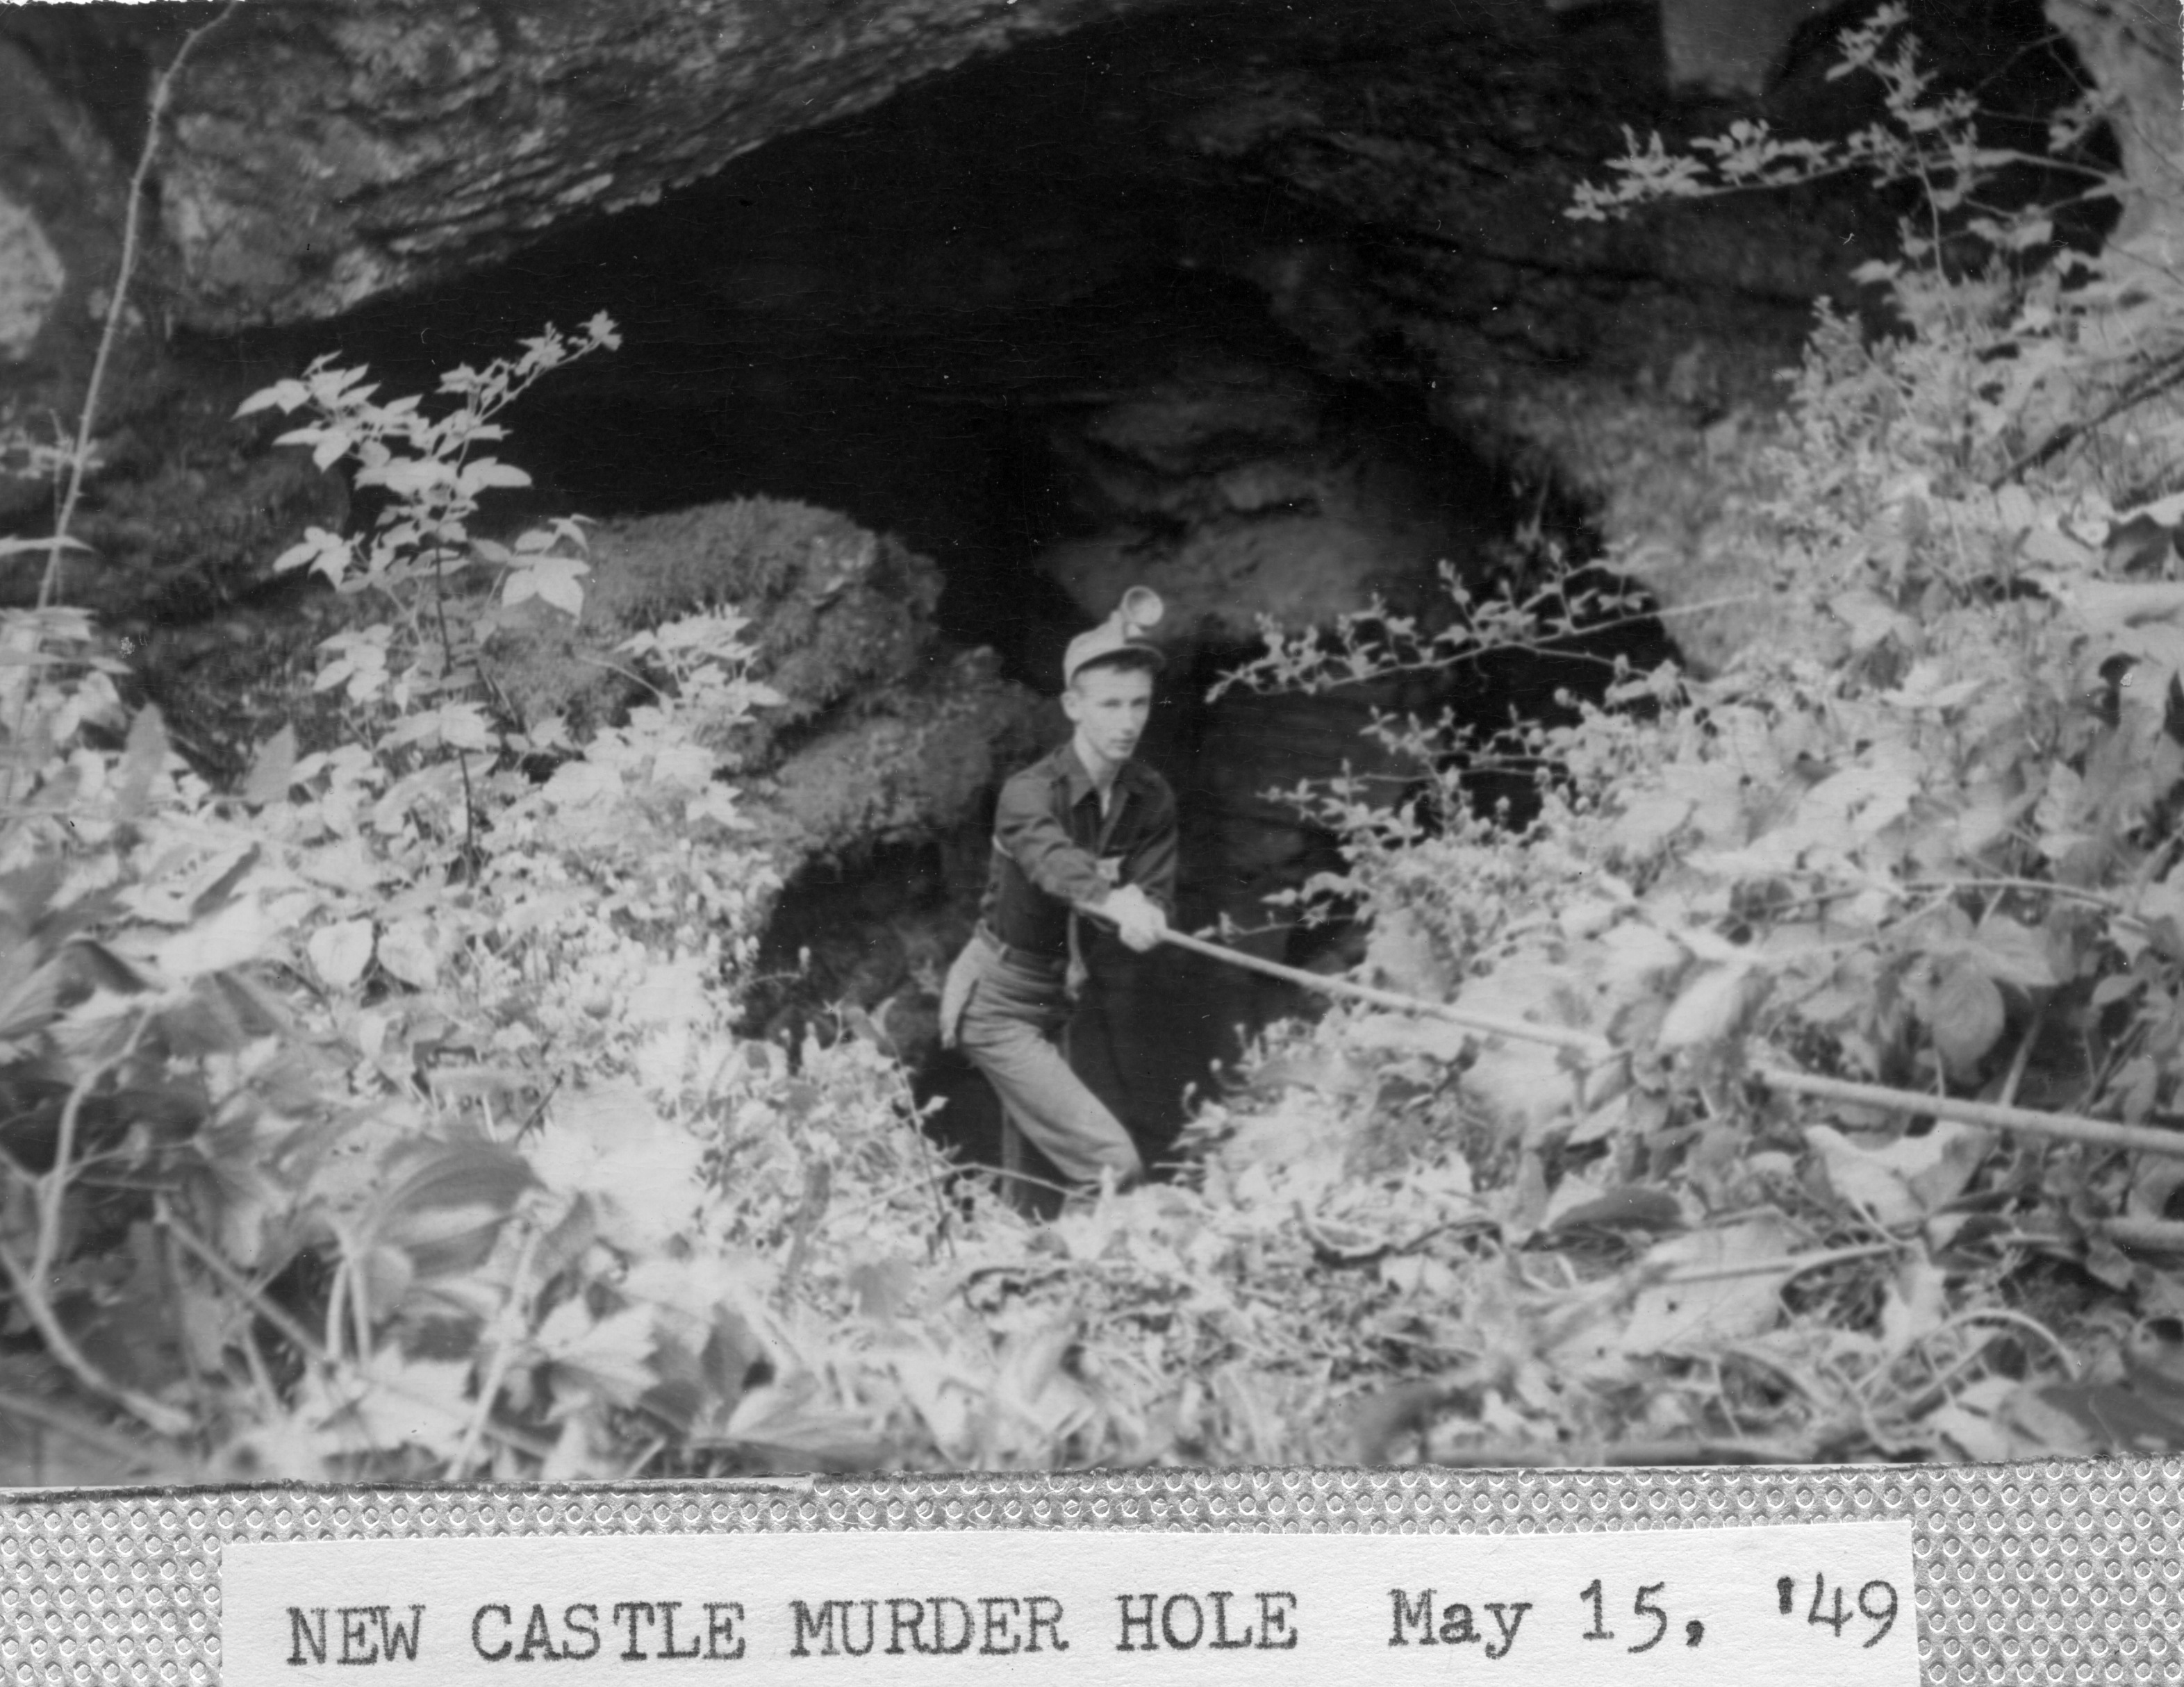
[(1001, 317)]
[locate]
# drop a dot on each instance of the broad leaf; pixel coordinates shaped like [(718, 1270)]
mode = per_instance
[(142, 761), (488, 472), (1967, 1018), (555, 580), (445, 1214), (1720, 1286), (241, 931), (1906, 1181), (606, 1141), (611, 1355), (406, 950), (2013, 953), (271, 770), (340, 953), (1709, 1008)]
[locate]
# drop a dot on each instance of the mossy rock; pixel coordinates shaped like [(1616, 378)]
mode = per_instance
[(914, 765), (839, 615)]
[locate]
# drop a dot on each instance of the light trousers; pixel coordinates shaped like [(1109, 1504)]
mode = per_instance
[(1006, 1015)]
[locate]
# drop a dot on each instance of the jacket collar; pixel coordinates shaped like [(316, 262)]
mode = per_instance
[(1077, 780)]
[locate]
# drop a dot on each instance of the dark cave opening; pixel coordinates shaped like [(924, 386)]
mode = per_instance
[(1002, 317), (1033, 363)]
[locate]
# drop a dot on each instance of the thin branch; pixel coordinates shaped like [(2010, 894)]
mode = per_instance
[(74, 1425), (2151, 1235), (2158, 378), (1786, 1267), (28, 1293), (79, 461), (2063, 1127), (2005, 1315), (162, 90), (53, 1188), (304, 1341), (2113, 906), (234, 1284), (509, 1334), (29, 1283), (1585, 1043), (1437, 660)]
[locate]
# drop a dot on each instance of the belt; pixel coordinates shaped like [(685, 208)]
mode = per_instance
[(1009, 955)]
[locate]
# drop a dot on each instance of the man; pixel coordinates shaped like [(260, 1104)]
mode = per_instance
[(1085, 830)]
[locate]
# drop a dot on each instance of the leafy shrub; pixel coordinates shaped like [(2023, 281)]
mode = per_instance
[(1913, 852), (381, 1116)]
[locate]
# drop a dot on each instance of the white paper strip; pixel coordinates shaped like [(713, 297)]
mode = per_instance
[(1812, 1604)]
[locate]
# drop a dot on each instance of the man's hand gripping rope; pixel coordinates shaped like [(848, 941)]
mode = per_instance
[(1135, 915)]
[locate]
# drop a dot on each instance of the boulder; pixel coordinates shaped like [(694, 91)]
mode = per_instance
[(881, 734)]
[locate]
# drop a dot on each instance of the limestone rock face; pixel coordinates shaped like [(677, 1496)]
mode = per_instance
[(1234, 493), (181, 506), (59, 215), (330, 153), (1386, 177), (31, 278), (326, 155), (2130, 48), (1730, 47), (60, 203)]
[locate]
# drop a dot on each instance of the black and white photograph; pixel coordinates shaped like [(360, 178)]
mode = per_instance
[(755, 739)]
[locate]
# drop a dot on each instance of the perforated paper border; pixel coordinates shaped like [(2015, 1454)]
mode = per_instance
[(2049, 1572)]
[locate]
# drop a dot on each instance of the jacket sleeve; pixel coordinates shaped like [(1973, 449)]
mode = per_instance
[(1150, 863), (1026, 827)]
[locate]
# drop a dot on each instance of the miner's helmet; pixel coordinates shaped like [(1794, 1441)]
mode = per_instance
[(1136, 614)]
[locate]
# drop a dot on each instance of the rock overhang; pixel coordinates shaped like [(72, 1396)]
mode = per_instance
[(324, 156), (1401, 224)]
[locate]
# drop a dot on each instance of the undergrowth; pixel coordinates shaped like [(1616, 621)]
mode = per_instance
[(382, 1117), (1867, 953)]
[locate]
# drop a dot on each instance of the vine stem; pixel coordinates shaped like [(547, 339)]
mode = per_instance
[(29, 1283), (28, 1292), (126, 1455), (1330, 678), (162, 90), (79, 461), (255, 1301), (53, 1188), (510, 1332), (2157, 379)]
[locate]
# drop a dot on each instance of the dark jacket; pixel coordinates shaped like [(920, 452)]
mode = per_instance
[(1050, 839)]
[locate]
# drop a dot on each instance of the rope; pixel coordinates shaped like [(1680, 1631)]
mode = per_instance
[(1585, 1043), (2076, 1127), (2064, 1126)]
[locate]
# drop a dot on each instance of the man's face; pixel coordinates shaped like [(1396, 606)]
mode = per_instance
[(1109, 706)]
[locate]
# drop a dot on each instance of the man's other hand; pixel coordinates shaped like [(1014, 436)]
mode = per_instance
[(1136, 915)]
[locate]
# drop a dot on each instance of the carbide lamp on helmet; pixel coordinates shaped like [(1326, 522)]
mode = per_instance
[(1137, 614)]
